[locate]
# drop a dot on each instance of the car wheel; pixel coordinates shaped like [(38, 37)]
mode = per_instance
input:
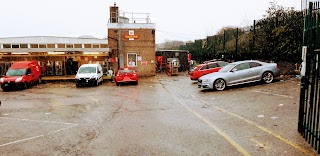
[(136, 83), (267, 77), (5, 89), (219, 84), (118, 84), (77, 85)]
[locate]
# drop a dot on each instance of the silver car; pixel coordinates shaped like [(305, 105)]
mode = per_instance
[(239, 73)]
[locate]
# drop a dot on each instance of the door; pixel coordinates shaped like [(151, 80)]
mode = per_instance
[(240, 73), (29, 76), (213, 67)]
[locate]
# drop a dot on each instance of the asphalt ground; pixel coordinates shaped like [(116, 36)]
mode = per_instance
[(162, 115)]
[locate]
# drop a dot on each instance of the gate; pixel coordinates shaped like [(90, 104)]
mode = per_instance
[(309, 107)]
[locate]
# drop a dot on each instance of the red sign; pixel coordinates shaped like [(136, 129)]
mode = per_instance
[(144, 63)]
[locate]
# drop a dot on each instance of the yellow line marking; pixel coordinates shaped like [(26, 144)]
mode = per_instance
[(303, 150), (219, 131)]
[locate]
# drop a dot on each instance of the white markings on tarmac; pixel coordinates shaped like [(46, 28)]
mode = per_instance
[(210, 124), (267, 93), (70, 125), (243, 151)]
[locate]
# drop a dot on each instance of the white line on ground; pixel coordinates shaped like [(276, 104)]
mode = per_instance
[(258, 91), (53, 122), (35, 137)]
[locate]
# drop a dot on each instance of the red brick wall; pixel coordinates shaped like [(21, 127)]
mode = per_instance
[(144, 47)]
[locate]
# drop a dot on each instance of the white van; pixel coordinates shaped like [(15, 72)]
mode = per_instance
[(89, 74)]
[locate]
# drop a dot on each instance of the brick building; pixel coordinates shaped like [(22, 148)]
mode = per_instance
[(132, 41)]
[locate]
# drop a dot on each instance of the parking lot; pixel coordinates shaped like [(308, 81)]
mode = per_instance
[(163, 115)]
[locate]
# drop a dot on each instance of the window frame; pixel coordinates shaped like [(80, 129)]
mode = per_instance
[(239, 65), (128, 59), (254, 64), (212, 65)]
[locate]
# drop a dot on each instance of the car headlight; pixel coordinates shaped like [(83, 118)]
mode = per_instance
[(205, 80), (1, 80), (92, 77), (18, 79)]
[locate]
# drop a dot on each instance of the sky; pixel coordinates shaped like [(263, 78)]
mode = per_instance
[(175, 19)]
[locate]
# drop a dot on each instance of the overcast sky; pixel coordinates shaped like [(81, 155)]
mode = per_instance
[(175, 19)]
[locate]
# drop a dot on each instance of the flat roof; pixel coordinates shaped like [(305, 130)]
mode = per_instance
[(52, 40)]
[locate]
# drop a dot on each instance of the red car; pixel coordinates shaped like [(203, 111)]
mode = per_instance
[(126, 75), (21, 75), (206, 68)]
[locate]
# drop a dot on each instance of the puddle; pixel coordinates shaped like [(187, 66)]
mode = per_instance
[(70, 110)]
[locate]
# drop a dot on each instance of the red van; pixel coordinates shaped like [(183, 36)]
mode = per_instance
[(207, 68), (21, 75)]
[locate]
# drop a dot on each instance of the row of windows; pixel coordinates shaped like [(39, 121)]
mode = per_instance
[(5, 46)]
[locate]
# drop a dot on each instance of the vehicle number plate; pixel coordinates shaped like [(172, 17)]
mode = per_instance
[(5, 84)]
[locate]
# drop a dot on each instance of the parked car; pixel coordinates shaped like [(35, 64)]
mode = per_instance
[(206, 68), (239, 73), (126, 75), (89, 74), (21, 75)]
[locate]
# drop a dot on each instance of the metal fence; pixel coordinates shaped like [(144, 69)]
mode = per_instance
[(309, 108)]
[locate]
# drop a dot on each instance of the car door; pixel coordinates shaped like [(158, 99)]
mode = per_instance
[(29, 76), (241, 73), (255, 70), (213, 67), (203, 70)]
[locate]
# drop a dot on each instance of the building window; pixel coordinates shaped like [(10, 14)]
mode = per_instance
[(103, 46), (87, 46), (77, 45), (23, 45), (6, 45), (69, 45), (132, 59), (51, 45), (15, 46), (42, 46), (34, 45), (96, 46), (61, 46)]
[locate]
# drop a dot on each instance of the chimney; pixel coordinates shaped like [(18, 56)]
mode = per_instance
[(114, 13)]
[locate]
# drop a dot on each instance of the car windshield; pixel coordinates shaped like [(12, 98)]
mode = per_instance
[(125, 71), (84, 70), (227, 68), (16, 72)]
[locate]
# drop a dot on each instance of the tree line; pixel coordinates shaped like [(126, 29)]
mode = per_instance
[(277, 37)]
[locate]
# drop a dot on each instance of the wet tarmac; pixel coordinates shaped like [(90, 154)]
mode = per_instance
[(163, 115)]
